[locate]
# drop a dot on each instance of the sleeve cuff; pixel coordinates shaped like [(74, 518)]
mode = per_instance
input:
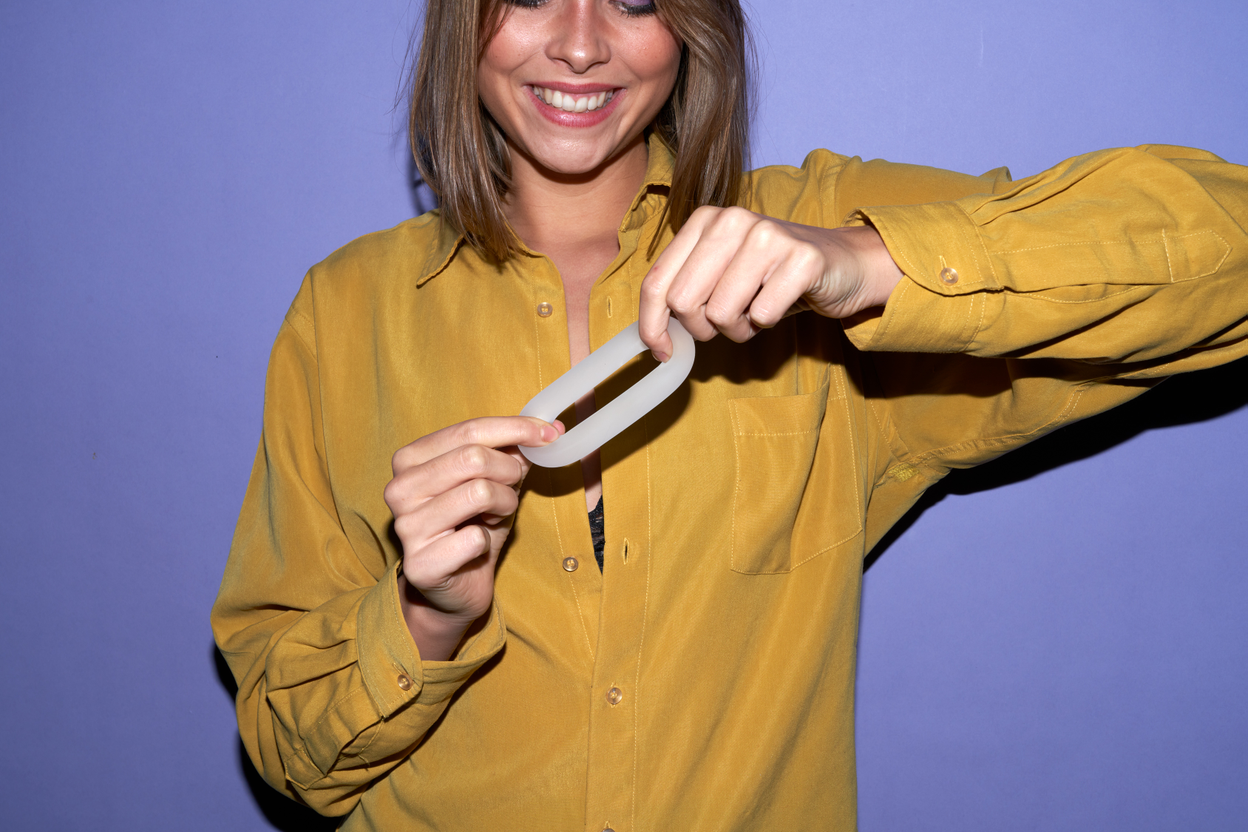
[(939, 304), (937, 245), (390, 664)]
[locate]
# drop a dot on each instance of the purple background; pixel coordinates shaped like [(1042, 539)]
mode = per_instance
[(1059, 641)]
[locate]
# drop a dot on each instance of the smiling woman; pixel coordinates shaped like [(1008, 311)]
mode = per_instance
[(419, 636), (464, 155)]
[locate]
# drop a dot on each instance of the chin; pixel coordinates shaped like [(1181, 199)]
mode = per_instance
[(573, 160)]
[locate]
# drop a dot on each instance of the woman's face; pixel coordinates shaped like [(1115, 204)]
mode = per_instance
[(574, 82)]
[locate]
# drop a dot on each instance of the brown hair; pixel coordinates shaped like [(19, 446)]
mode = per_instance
[(462, 154)]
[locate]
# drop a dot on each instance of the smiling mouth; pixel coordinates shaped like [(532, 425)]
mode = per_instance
[(570, 103)]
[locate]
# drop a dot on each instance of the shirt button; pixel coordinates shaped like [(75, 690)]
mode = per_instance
[(570, 564), (615, 696), (545, 309), (948, 276), (405, 683)]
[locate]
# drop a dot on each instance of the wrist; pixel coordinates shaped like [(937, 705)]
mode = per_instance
[(879, 273), (437, 633)]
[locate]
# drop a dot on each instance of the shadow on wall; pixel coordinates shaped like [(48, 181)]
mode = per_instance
[(281, 812), (1181, 400)]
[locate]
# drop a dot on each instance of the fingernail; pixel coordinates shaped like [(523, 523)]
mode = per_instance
[(661, 357), (549, 434)]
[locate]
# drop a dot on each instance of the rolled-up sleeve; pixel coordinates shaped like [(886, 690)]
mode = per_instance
[(1032, 304), (1120, 257), (332, 692)]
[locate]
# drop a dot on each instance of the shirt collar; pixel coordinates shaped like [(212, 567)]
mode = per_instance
[(658, 181)]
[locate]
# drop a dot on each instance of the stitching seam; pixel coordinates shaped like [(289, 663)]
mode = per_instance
[(641, 631), (1041, 297), (1082, 243), (764, 433)]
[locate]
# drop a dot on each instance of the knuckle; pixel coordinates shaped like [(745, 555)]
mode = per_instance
[(479, 494), (403, 527), (738, 217), (398, 461), (470, 432), (764, 233), (391, 493), (473, 459), (706, 213), (719, 314), (682, 303), (807, 255), (473, 540)]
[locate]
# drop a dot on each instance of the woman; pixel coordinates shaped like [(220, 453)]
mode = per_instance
[(419, 634)]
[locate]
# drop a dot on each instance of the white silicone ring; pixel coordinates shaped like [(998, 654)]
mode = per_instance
[(621, 411)]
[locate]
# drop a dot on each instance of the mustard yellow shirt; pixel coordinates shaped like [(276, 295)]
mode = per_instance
[(705, 679)]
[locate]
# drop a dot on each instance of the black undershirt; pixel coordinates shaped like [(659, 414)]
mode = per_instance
[(597, 530)]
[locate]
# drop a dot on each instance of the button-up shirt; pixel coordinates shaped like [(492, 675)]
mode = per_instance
[(704, 679)]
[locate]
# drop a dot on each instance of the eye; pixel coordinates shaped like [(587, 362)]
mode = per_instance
[(635, 8)]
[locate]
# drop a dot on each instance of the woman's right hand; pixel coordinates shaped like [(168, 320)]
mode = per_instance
[(453, 496)]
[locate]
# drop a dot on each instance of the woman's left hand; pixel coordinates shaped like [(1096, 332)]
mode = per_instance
[(733, 271)]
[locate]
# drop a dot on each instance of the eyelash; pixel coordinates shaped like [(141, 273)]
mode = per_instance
[(628, 9), (636, 10)]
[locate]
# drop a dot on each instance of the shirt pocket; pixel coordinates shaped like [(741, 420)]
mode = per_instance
[(795, 495)]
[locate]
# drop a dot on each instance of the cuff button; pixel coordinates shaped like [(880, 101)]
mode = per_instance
[(948, 276), (405, 682)]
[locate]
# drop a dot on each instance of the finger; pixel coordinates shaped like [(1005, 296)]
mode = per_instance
[(413, 486), (442, 514), (790, 280), (728, 307), (722, 243), (490, 431), (653, 312), (434, 564)]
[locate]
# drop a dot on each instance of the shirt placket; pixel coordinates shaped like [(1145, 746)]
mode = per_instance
[(616, 690)]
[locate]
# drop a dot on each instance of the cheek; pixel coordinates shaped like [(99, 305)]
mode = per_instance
[(663, 57), (494, 73)]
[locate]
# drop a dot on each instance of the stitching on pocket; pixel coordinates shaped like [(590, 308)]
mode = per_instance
[(785, 528)]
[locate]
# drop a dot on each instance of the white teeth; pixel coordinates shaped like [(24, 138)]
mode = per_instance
[(571, 103)]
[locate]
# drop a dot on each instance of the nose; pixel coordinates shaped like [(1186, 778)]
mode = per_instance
[(579, 36)]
